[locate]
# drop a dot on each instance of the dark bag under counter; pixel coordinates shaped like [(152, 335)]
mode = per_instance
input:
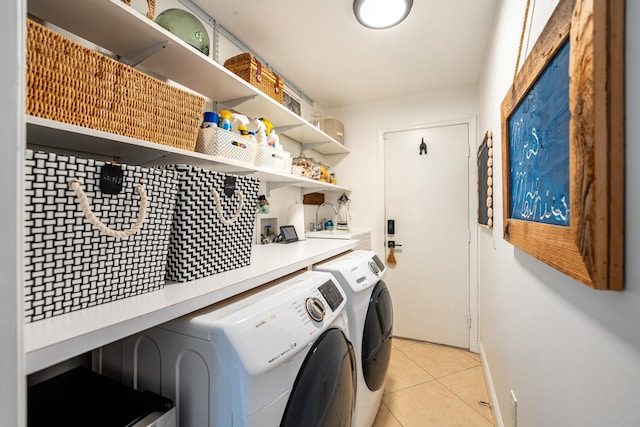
[(81, 397)]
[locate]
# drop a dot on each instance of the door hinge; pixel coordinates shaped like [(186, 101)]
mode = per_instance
[(469, 320), (468, 151)]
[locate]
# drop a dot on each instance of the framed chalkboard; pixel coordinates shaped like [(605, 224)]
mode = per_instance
[(539, 147), (485, 180), (563, 145)]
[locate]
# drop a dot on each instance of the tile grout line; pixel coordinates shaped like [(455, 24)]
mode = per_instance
[(467, 355), (478, 363), (490, 420), (392, 414), (460, 397), (409, 386), (434, 378)]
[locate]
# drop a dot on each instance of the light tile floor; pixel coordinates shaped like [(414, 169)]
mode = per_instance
[(433, 385)]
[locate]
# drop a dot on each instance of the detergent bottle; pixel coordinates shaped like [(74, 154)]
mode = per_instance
[(210, 120), (224, 120), (273, 140)]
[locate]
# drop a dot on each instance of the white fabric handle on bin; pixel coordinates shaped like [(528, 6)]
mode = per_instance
[(219, 212), (76, 186)]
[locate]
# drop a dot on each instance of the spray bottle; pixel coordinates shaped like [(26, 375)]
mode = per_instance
[(238, 120), (267, 123), (242, 130), (260, 130)]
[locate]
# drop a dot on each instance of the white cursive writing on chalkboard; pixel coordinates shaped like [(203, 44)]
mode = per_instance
[(534, 203)]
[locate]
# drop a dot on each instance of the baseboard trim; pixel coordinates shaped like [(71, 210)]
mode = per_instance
[(495, 408)]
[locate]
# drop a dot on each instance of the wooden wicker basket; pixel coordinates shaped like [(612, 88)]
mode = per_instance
[(70, 83), (247, 67), (151, 5)]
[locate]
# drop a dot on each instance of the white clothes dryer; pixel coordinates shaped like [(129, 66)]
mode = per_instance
[(279, 357), (370, 312)]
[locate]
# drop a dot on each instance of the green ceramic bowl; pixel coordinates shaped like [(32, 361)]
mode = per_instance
[(186, 26)]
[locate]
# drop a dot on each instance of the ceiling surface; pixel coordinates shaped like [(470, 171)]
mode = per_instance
[(321, 49)]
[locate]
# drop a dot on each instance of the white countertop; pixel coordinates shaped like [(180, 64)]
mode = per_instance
[(336, 234), (56, 339)]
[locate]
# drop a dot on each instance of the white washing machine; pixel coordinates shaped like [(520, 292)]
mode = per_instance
[(370, 312), (279, 357)]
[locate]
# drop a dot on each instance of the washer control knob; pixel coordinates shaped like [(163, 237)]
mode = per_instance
[(374, 267), (315, 308)]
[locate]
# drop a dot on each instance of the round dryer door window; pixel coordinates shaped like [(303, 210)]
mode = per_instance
[(324, 391), (376, 337)]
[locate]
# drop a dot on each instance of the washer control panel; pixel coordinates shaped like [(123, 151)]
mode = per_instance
[(270, 327), (330, 292), (360, 270), (363, 274)]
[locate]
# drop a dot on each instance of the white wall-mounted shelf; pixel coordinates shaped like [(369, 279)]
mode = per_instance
[(59, 338), (64, 137), (121, 29)]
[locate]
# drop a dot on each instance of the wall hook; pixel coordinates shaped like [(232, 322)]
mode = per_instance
[(344, 198), (423, 147)]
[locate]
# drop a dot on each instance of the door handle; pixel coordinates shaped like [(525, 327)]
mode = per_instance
[(392, 244)]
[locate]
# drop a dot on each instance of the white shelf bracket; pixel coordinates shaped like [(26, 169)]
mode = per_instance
[(276, 185), (312, 145), (137, 57), (235, 102), (242, 173), (148, 159), (283, 129), (307, 190)]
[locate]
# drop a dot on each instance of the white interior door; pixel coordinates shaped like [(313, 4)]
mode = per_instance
[(427, 195)]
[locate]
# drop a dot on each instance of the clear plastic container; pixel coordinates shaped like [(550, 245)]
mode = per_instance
[(324, 173), (302, 166), (316, 173)]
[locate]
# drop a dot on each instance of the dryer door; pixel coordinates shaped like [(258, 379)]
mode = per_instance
[(325, 390), (376, 337)]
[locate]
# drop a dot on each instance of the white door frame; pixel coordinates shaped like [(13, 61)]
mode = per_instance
[(379, 241)]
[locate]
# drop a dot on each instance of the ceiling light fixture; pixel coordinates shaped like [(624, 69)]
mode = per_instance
[(380, 14)]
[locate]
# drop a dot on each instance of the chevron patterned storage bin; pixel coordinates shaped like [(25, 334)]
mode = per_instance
[(84, 246), (213, 224)]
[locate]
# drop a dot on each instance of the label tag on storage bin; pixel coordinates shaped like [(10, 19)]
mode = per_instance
[(229, 185), (111, 179)]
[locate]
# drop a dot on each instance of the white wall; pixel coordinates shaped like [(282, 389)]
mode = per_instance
[(12, 72), (571, 354), (359, 170)]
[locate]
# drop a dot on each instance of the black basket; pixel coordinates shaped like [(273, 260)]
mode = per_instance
[(213, 224), (70, 263)]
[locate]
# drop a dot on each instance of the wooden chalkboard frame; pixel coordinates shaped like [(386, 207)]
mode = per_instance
[(591, 248)]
